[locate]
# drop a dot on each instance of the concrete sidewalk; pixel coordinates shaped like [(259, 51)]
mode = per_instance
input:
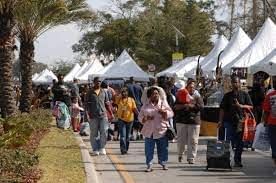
[(114, 167)]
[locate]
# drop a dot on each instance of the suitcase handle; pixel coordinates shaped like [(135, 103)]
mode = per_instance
[(225, 133)]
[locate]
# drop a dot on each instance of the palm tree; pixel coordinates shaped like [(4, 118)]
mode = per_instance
[(35, 17), (7, 45)]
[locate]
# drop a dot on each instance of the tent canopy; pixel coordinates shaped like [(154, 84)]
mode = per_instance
[(46, 77), (268, 65), (70, 76), (220, 44), (261, 46), (125, 67), (236, 45), (92, 68), (181, 68)]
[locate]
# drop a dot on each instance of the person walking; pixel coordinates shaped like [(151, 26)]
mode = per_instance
[(187, 117), (75, 114), (126, 108), (231, 116), (269, 107), (97, 99), (154, 116), (135, 91)]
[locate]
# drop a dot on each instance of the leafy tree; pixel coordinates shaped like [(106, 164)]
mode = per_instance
[(7, 46), (149, 35), (35, 17), (62, 67)]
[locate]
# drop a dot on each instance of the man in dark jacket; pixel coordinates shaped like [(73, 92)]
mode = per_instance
[(232, 115), (187, 117)]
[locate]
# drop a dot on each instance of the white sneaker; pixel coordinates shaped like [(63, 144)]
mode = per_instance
[(95, 153), (102, 151)]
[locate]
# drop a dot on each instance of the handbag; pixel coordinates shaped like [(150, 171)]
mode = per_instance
[(249, 126), (170, 133)]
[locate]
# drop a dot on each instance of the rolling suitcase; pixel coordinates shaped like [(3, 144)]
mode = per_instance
[(218, 154)]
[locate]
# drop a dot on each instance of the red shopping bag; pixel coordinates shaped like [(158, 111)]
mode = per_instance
[(249, 126)]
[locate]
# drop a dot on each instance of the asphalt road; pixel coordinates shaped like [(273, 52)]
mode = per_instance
[(117, 168)]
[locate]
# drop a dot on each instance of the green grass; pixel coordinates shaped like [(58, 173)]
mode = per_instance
[(60, 158)]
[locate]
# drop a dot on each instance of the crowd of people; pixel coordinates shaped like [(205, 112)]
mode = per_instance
[(146, 111)]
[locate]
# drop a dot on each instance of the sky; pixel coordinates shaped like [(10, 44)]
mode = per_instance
[(56, 44)]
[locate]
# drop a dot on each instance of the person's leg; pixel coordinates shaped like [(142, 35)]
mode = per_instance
[(181, 140), (128, 131), (149, 151), (239, 148), (193, 135), (272, 137), (103, 128), (94, 126), (162, 151), (122, 131)]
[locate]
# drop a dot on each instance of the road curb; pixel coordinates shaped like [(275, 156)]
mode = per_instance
[(90, 172)]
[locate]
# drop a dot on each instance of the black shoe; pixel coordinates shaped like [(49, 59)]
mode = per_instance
[(238, 164)]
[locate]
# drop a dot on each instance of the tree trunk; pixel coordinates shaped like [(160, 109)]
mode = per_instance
[(7, 45), (232, 5), (26, 58), (255, 17)]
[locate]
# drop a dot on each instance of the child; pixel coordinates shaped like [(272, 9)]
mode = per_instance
[(75, 113)]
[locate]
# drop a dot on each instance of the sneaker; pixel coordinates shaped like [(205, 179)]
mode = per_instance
[(274, 173), (165, 167), (149, 168), (95, 153), (191, 161), (102, 151), (238, 164), (180, 159)]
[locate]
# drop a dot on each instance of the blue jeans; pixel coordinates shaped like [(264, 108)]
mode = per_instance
[(98, 127), (162, 150), (124, 130), (235, 138)]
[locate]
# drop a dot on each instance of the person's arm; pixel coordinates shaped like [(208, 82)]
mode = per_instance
[(166, 111), (141, 117), (221, 111), (266, 109), (134, 108)]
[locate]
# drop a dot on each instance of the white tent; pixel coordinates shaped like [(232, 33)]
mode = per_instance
[(102, 71), (35, 76), (236, 45), (82, 69), (181, 68), (70, 76), (261, 46), (125, 67), (268, 64), (92, 68), (220, 44), (46, 77)]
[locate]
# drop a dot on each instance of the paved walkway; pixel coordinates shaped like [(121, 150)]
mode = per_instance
[(117, 168)]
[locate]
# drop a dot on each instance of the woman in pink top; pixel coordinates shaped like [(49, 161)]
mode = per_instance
[(75, 113), (154, 116)]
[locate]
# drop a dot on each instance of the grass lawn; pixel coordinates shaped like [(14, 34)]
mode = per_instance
[(60, 158)]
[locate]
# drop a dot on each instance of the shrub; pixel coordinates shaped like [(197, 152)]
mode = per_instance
[(18, 163), (19, 128)]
